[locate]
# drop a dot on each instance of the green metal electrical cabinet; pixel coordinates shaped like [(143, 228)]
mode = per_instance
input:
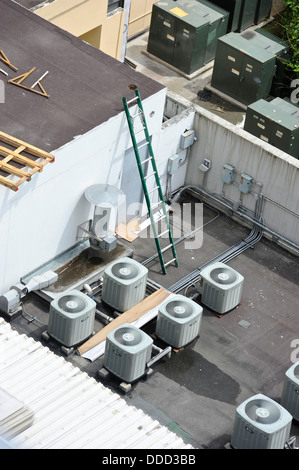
[(263, 11), (234, 8), (245, 65), (184, 33), (275, 122), (248, 14)]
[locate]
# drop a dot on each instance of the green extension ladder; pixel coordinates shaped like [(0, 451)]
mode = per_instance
[(151, 158)]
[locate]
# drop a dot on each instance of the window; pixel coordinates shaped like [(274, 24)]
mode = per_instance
[(113, 4)]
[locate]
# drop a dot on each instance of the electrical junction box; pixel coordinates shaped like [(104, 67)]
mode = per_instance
[(108, 243), (275, 122), (187, 139), (245, 65), (184, 33), (228, 173), (245, 183), (173, 164)]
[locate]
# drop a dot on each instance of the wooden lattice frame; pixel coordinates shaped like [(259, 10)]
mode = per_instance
[(29, 165)]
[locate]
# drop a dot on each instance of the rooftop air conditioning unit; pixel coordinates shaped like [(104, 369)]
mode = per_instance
[(261, 423), (178, 321), (127, 351), (71, 318), (220, 287), (124, 284), (290, 393)]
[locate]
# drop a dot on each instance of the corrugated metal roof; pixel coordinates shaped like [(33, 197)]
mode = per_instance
[(72, 410)]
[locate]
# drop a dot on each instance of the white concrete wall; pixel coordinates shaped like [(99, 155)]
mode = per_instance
[(40, 220), (275, 174)]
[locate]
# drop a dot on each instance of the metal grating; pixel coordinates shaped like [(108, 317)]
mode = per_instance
[(17, 161), (72, 410)]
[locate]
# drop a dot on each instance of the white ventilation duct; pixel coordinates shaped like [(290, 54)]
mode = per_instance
[(107, 200)]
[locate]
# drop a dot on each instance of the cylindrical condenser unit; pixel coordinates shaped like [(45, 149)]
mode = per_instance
[(127, 351), (124, 284), (178, 321), (107, 201), (290, 393), (261, 423)]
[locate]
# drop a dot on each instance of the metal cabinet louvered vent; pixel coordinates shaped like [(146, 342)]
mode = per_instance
[(127, 351), (71, 317), (290, 393), (178, 321), (124, 284), (261, 423)]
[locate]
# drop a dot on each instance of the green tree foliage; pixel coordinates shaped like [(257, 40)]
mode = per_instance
[(290, 31)]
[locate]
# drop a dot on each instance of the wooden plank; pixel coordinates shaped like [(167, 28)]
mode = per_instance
[(12, 170), (36, 152), (129, 316), (126, 231), (8, 183), (20, 158), (6, 61)]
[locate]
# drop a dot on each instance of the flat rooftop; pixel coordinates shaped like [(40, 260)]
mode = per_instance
[(247, 351), (85, 85)]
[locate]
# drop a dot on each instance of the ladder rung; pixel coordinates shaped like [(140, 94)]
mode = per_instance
[(140, 130), (143, 145), (157, 204), (133, 99), (163, 233), (148, 176), (171, 261), (140, 113), (152, 190), (147, 160), (166, 248), (161, 218)]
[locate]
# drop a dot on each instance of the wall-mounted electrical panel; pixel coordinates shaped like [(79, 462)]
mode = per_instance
[(245, 65), (228, 173), (184, 34), (173, 164), (187, 139), (275, 122), (245, 183)]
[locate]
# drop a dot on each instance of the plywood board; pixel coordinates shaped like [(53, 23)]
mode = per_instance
[(129, 316)]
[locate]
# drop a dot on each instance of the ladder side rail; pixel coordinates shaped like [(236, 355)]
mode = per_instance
[(154, 166), (144, 186)]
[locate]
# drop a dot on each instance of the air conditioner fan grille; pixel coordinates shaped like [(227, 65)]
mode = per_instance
[(72, 304), (179, 309), (223, 276), (125, 271), (128, 336), (262, 411)]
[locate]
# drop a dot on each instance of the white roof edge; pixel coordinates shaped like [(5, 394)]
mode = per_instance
[(71, 409)]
